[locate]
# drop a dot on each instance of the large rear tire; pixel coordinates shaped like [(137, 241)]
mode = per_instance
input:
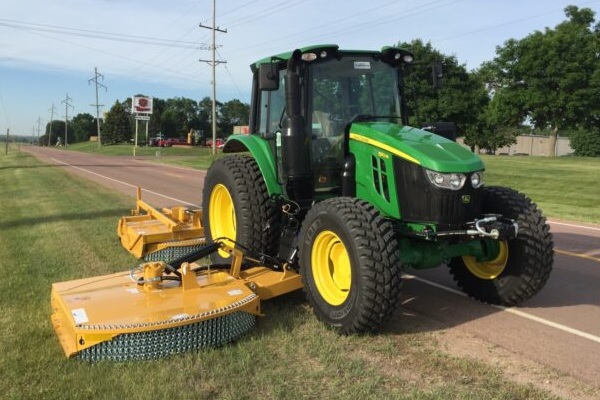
[(236, 205), (523, 265), (349, 264)]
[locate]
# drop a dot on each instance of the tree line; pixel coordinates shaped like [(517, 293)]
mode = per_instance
[(545, 83), (171, 118)]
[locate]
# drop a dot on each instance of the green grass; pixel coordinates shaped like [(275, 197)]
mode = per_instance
[(55, 227), (191, 157), (563, 187)]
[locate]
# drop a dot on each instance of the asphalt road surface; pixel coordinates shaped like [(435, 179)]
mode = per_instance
[(559, 328)]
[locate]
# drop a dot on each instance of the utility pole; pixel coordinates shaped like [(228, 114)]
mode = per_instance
[(51, 119), (7, 135), (213, 63), (95, 80), (39, 121), (67, 105)]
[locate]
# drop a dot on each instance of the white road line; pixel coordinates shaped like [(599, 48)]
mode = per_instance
[(591, 228), (513, 311), (125, 183), (168, 165)]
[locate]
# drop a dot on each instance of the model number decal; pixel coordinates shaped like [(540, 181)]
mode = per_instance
[(362, 65)]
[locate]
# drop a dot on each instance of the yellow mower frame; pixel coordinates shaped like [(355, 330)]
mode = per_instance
[(149, 230), (95, 311)]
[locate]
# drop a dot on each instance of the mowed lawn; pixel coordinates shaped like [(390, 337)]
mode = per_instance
[(563, 187), (56, 227)]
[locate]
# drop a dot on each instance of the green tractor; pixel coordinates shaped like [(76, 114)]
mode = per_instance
[(334, 183)]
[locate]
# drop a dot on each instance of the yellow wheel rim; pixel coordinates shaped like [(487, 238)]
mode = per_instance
[(221, 215), (331, 268), (488, 269)]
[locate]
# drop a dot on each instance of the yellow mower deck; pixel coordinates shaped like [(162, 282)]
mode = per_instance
[(152, 234), (115, 317)]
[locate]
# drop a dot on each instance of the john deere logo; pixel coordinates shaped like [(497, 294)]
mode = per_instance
[(466, 199)]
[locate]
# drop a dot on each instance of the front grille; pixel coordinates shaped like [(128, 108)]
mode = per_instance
[(420, 201)]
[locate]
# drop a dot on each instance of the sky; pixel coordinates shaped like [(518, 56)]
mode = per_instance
[(49, 49)]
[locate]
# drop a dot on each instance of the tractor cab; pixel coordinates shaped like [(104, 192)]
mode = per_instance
[(329, 89)]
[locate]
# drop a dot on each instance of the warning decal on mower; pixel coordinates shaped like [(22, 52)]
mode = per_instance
[(79, 316), (234, 292)]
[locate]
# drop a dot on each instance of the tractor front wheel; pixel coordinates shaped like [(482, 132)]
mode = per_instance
[(349, 264), (523, 264)]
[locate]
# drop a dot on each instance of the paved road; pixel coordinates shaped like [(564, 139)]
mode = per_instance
[(560, 327)]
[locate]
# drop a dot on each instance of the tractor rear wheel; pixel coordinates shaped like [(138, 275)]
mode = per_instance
[(523, 264), (349, 264), (236, 205)]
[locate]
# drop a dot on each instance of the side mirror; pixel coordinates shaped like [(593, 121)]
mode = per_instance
[(438, 74), (444, 129), (268, 77)]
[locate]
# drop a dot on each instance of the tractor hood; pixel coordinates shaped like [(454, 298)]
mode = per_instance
[(427, 149)]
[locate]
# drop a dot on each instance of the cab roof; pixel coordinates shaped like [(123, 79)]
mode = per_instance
[(283, 57)]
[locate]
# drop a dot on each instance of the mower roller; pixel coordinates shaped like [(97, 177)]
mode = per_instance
[(153, 235), (332, 191)]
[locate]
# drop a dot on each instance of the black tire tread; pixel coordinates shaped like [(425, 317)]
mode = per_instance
[(378, 253), (259, 225), (533, 247)]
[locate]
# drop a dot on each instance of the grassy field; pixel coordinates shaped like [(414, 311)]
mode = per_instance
[(58, 227), (563, 187), (192, 157)]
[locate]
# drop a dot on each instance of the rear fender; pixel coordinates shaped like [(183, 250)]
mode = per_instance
[(261, 151)]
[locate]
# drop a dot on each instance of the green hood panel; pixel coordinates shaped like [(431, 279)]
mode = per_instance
[(416, 145)]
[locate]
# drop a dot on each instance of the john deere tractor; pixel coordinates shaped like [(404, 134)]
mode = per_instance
[(333, 192), (334, 181)]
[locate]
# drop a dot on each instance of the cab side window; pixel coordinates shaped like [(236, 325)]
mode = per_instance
[(272, 107)]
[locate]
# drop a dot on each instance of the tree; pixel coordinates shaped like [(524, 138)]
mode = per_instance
[(205, 113), (58, 130), (233, 113), (461, 99), (117, 126), (83, 126), (586, 142), (552, 77)]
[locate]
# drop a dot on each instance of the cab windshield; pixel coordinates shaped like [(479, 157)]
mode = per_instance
[(349, 87)]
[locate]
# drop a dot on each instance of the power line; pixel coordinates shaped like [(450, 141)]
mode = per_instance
[(231, 77), (329, 24), (97, 84), (62, 30), (262, 14), (515, 21), (180, 74), (67, 103)]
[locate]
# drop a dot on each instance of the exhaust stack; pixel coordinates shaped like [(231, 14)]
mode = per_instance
[(295, 143)]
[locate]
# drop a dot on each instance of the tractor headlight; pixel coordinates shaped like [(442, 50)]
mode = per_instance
[(477, 179), (453, 181)]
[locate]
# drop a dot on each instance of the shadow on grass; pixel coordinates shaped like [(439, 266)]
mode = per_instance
[(85, 216)]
